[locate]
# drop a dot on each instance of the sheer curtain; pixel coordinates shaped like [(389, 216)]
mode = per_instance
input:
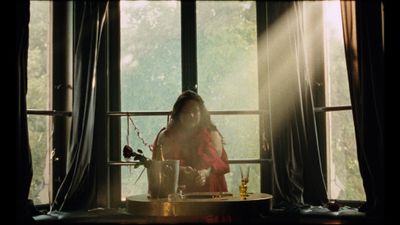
[(297, 162), (362, 30), (78, 189)]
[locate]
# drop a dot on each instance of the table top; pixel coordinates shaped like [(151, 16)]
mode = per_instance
[(200, 204)]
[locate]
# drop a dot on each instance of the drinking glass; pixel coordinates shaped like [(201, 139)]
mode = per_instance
[(244, 173)]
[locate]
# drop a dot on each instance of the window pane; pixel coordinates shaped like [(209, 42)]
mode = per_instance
[(38, 140), (344, 175), (337, 85), (241, 135), (38, 98), (38, 53), (128, 177), (227, 54), (148, 127), (150, 54)]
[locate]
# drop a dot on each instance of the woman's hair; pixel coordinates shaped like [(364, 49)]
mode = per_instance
[(205, 120)]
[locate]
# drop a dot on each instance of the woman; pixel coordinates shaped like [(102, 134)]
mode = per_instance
[(192, 138)]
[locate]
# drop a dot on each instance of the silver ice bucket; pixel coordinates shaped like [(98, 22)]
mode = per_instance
[(162, 177)]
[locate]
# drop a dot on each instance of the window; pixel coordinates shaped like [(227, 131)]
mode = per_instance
[(344, 179), (49, 97), (151, 78), (150, 75), (38, 98), (228, 80)]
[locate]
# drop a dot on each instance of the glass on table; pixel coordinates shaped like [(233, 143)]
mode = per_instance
[(244, 179)]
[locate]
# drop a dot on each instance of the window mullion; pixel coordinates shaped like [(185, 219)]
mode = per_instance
[(189, 50)]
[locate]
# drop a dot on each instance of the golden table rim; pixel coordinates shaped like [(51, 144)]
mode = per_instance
[(255, 204)]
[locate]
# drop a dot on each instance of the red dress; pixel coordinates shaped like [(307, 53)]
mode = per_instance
[(202, 156)]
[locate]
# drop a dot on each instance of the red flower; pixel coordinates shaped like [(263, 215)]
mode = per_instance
[(127, 152)]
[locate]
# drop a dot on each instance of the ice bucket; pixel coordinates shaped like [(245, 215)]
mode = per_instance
[(162, 177)]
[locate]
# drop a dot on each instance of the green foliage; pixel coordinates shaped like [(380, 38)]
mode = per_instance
[(38, 97), (227, 56), (341, 137)]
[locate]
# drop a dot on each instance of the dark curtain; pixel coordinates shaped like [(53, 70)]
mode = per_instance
[(23, 152), (77, 190), (297, 164), (362, 30)]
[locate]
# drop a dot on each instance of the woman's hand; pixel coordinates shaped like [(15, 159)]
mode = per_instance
[(201, 176)]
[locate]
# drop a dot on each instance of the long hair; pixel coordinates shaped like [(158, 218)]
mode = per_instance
[(205, 120)]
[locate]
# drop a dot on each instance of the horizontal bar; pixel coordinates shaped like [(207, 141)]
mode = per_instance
[(165, 113), (121, 163), (160, 113), (332, 108), (233, 161), (48, 112), (239, 161)]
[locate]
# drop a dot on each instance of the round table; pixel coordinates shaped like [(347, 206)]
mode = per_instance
[(200, 204)]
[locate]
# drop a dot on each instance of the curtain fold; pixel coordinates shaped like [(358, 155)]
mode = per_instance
[(297, 164), (362, 31), (77, 190), (23, 153)]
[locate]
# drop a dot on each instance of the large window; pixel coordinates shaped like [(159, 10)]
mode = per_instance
[(151, 77), (344, 179)]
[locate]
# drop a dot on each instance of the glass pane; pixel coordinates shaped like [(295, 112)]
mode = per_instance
[(148, 128), (150, 54), (241, 135), (38, 54), (233, 178), (227, 54), (344, 175), (38, 98), (38, 128), (337, 85), (128, 177)]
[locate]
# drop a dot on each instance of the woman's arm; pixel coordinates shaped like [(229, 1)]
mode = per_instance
[(219, 160)]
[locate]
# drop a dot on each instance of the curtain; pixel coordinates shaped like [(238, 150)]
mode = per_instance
[(362, 31), (77, 191), (23, 152), (297, 164)]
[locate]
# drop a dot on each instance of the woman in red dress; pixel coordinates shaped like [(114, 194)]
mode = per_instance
[(192, 138)]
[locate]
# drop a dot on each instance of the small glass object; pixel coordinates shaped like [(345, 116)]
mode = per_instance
[(244, 175)]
